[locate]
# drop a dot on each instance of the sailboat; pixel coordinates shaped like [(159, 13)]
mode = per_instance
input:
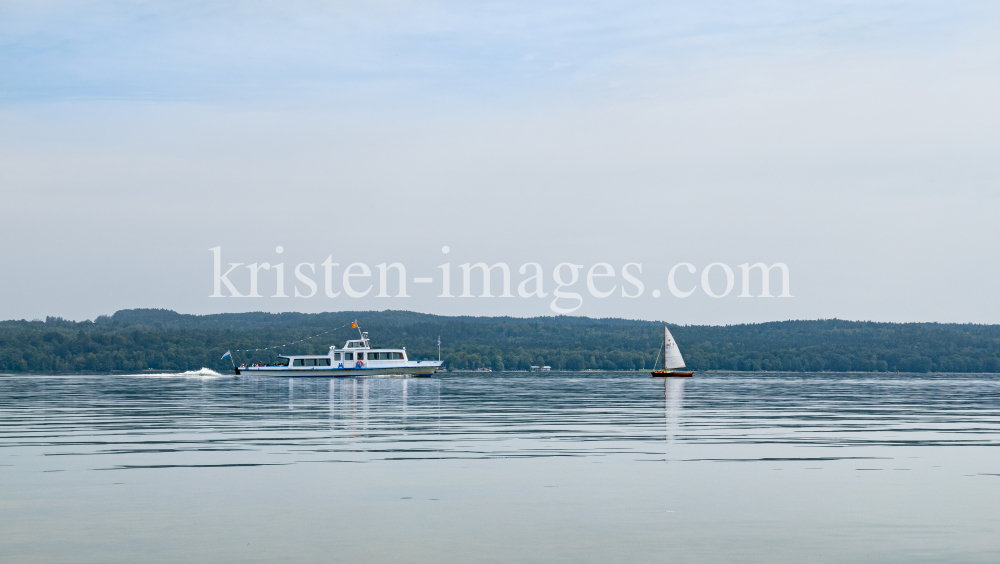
[(672, 359)]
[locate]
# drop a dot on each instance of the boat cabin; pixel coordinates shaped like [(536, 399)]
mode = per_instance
[(356, 353)]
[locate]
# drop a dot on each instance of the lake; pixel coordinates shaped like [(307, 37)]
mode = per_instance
[(501, 467)]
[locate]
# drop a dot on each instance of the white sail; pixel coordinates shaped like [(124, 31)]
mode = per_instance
[(672, 358)]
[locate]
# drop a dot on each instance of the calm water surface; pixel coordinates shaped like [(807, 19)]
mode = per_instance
[(561, 467)]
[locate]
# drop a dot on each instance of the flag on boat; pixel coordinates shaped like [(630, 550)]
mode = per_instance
[(225, 356), (354, 325)]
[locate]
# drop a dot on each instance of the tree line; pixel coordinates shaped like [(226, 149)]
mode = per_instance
[(162, 340)]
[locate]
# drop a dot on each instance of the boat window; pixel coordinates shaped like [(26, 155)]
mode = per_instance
[(299, 362), (372, 356), (336, 356), (282, 362), (323, 362), (397, 356), (348, 356)]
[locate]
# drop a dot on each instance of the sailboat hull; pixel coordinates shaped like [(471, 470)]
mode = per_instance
[(671, 374)]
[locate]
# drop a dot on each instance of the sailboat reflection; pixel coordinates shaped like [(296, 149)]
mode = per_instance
[(673, 404)]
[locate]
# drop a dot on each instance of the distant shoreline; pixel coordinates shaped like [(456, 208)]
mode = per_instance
[(540, 374), (134, 341)]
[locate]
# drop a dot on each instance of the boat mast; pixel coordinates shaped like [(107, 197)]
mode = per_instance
[(364, 336), (664, 347)]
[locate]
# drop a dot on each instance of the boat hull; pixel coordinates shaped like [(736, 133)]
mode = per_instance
[(421, 370), (671, 374)]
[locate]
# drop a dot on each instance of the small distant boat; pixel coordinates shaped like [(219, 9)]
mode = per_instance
[(672, 359)]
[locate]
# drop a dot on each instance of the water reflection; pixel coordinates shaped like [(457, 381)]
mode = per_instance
[(673, 403), (502, 415), (520, 467)]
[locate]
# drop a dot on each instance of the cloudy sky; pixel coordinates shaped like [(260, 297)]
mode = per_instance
[(855, 142)]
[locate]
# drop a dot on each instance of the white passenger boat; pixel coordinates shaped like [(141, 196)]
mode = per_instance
[(356, 358)]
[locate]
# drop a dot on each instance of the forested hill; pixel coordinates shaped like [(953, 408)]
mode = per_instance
[(151, 339)]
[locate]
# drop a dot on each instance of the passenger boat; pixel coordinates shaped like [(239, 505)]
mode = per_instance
[(672, 359), (356, 358)]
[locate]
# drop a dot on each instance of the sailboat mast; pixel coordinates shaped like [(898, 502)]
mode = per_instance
[(664, 346)]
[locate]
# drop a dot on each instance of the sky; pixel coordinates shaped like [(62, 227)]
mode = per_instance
[(855, 143)]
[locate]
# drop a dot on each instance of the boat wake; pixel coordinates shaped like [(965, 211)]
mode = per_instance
[(200, 373)]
